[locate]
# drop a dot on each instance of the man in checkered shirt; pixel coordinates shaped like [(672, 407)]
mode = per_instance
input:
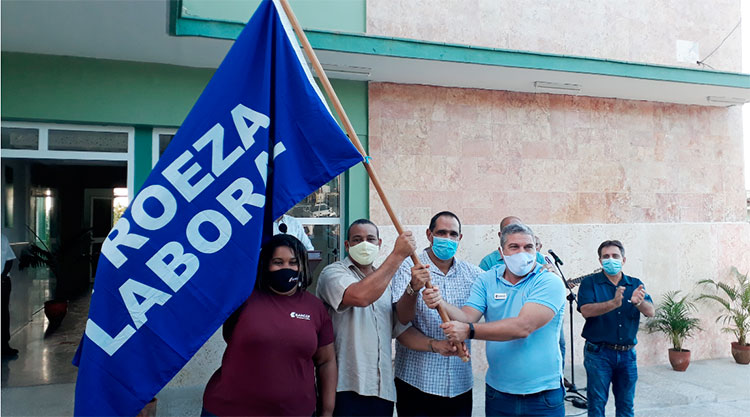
[(428, 383)]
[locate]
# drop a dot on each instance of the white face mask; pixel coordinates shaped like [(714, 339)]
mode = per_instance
[(520, 264), (364, 253)]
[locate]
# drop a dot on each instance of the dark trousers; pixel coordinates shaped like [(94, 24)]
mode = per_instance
[(349, 403), (412, 402), (6, 311)]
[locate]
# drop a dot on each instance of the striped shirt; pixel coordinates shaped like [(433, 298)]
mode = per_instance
[(430, 372)]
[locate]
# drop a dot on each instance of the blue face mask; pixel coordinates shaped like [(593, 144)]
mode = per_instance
[(612, 266), (444, 248)]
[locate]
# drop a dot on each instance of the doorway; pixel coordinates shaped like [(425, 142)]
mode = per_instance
[(102, 208)]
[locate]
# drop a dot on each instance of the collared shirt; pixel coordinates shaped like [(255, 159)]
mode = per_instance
[(619, 326), (6, 251), (294, 228), (362, 334), (493, 258), (532, 364), (431, 372)]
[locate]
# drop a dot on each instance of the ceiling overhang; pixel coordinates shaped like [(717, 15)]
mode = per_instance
[(150, 31), (415, 62)]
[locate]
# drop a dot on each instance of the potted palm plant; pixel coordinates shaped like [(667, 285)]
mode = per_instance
[(672, 317), (68, 262), (735, 301)]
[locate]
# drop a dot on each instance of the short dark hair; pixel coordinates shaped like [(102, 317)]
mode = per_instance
[(608, 243), (266, 253), (433, 221), (512, 229), (360, 222)]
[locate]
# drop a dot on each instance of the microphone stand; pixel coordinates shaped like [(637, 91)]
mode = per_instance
[(576, 398)]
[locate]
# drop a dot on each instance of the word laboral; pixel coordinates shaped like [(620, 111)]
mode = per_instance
[(173, 256)]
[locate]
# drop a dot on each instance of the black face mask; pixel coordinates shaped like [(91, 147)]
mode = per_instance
[(282, 280)]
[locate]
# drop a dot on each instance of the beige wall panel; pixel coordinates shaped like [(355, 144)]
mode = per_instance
[(554, 158), (644, 31)]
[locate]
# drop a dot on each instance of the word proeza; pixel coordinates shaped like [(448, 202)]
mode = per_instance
[(173, 263)]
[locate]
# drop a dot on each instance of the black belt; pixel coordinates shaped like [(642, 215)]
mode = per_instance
[(534, 394), (619, 348)]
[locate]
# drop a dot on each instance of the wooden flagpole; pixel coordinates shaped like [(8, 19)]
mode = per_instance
[(355, 140)]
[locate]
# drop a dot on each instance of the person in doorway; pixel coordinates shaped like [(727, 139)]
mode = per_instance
[(612, 304), (7, 262), (291, 226), (280, 350)]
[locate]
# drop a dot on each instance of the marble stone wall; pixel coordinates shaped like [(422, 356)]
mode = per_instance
[(639, 31), (665, 179), (554, 158)]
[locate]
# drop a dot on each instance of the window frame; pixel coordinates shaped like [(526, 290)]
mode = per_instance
[(305, 221), (43, 151)]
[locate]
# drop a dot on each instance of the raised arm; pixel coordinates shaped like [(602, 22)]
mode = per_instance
[(597, 309), (641, 303), (372, 287)]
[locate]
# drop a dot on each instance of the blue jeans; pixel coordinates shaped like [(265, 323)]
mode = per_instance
[(605, 366), (545, 403)]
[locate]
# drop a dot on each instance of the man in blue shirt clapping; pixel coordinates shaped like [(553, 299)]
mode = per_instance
[(612, 304)]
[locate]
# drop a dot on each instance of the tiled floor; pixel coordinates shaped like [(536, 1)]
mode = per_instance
[(46, 360), (40, 382)]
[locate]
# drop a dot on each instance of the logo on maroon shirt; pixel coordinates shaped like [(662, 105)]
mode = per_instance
[(300, 316)]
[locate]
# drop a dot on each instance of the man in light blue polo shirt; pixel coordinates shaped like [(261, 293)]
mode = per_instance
[(493, 258), (523, 306)]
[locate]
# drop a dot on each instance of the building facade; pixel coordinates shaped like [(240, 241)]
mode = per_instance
[(589, 120)]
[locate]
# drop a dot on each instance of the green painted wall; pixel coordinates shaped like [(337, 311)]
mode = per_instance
[(57, 89), (338, 15), (354, 98), (83, 90), (142, 156)]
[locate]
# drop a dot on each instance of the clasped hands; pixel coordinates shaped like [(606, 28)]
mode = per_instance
[(455, 331)]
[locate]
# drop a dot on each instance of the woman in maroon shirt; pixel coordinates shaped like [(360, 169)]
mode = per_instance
[(277, 342)]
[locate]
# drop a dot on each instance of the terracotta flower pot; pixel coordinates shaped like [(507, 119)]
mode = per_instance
[(679, 359), (741, 353), (55, 311)]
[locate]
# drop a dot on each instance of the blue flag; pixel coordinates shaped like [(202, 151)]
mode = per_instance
[(183, 257)]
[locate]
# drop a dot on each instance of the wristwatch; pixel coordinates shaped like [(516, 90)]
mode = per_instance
[(471, 330), (410, 290)]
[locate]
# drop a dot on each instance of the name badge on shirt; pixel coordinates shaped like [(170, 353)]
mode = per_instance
[(500, 296)]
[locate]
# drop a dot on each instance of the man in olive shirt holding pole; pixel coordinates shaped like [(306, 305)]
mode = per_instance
[(358, 296)]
